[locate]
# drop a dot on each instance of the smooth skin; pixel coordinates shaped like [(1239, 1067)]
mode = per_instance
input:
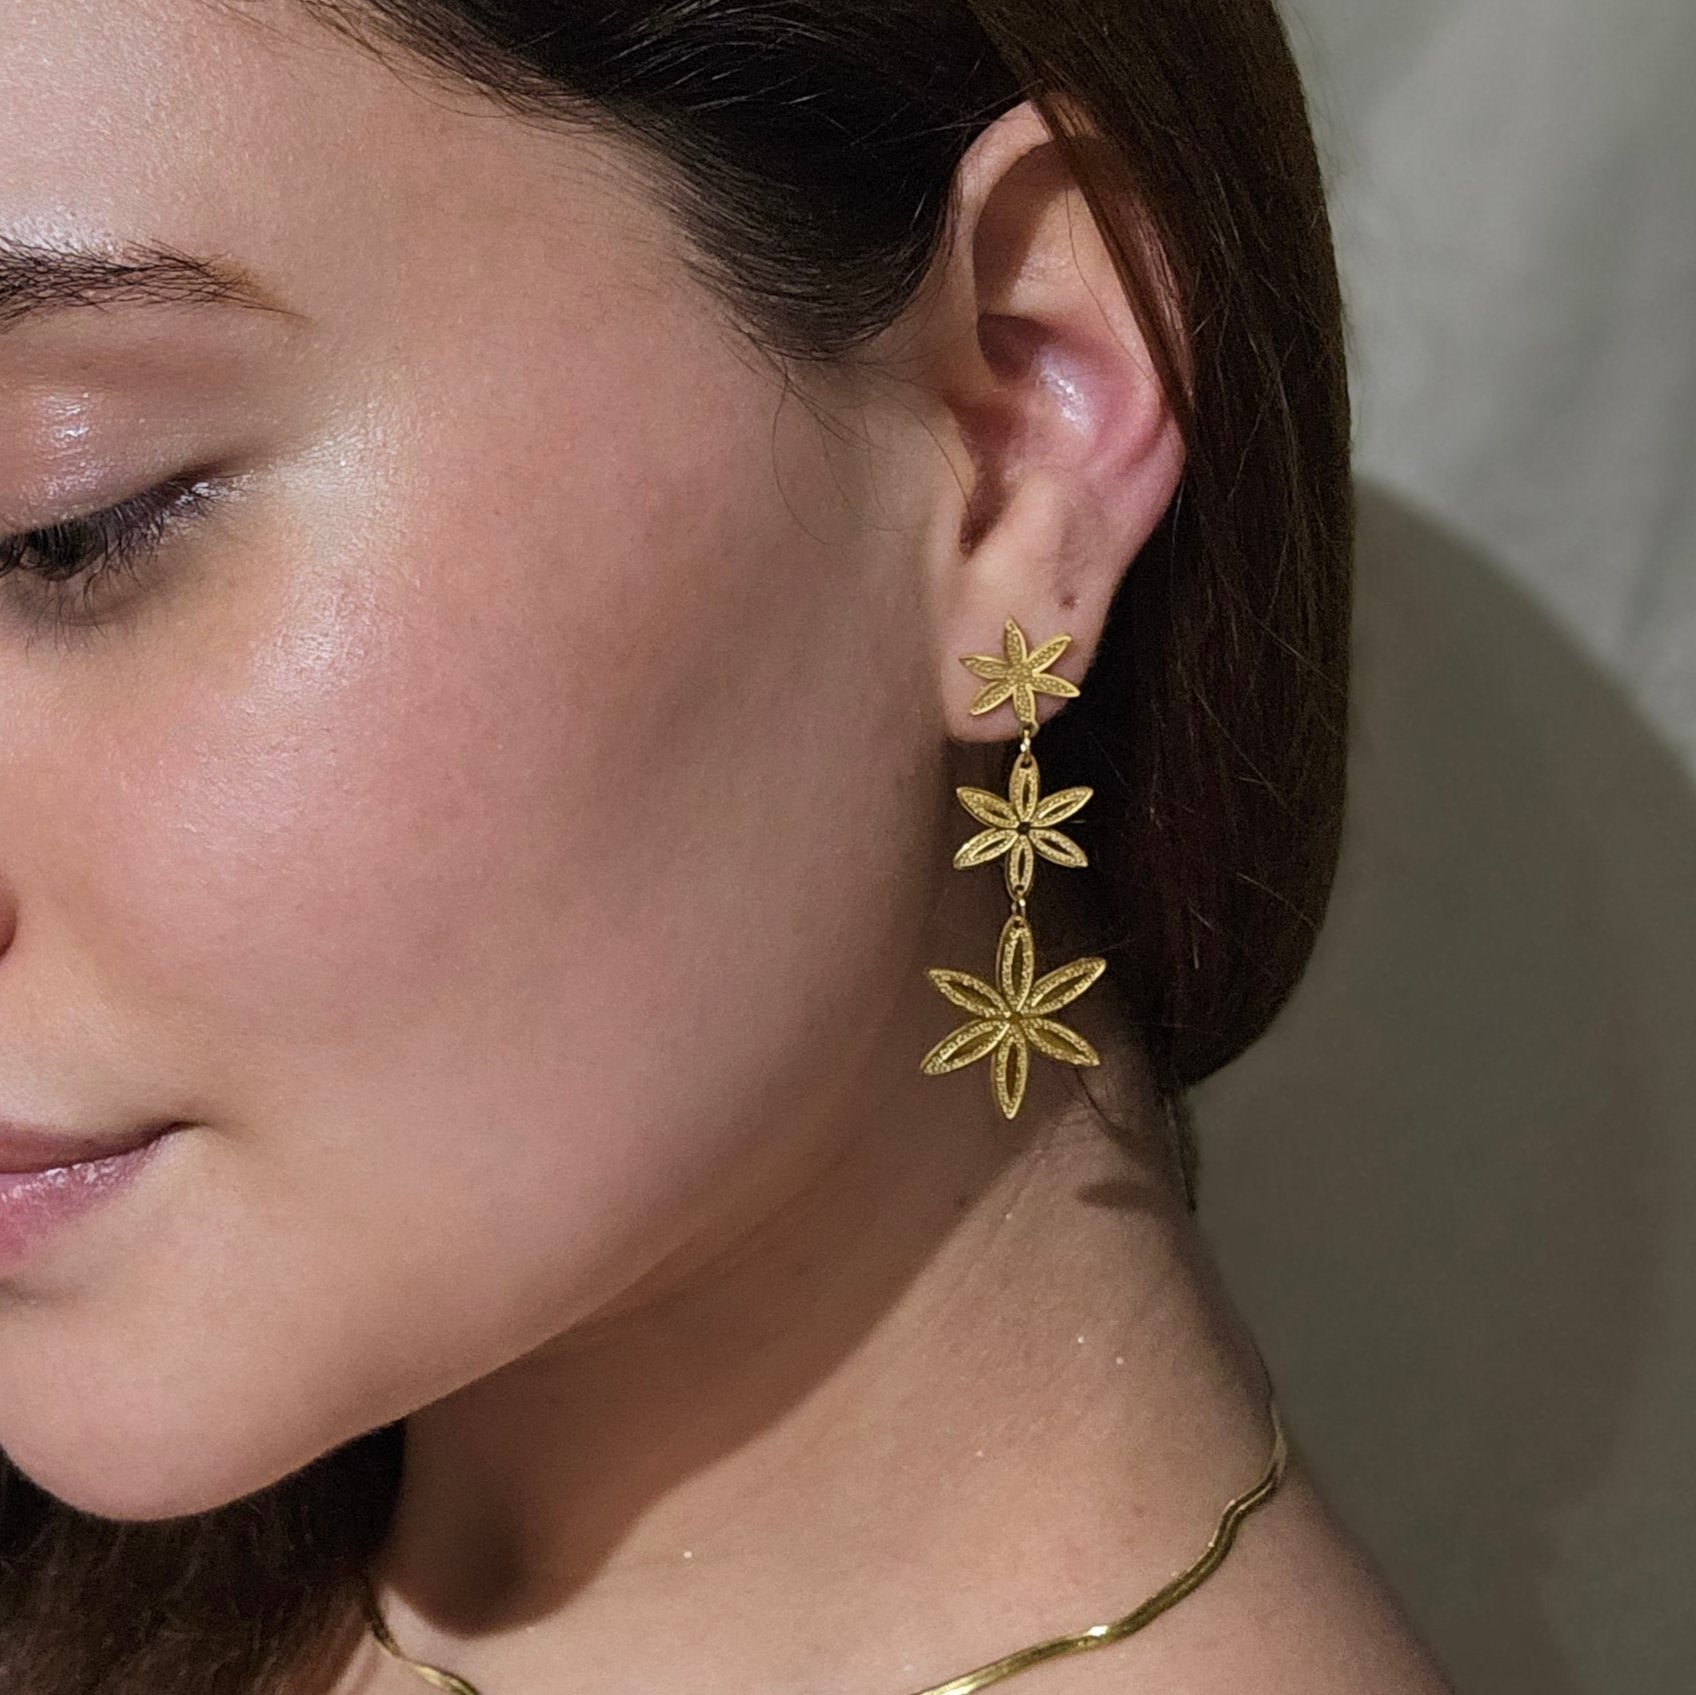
[(509, 827)]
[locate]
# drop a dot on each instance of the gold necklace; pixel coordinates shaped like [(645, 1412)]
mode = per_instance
[(1096, 1636)]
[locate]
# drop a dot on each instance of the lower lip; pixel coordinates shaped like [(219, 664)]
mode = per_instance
[(33, 1204)]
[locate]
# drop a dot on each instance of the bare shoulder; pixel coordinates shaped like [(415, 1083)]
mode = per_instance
[(1297, 1608), (1318, 1615)]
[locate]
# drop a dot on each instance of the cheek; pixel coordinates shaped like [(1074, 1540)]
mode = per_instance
[(494, 908)]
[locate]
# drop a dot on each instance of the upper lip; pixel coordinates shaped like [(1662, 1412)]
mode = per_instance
[(37, 1147)]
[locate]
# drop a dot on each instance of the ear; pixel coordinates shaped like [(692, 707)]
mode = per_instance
[(1064, 453)]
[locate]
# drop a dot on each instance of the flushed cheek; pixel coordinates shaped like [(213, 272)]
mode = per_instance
[(332, 851)]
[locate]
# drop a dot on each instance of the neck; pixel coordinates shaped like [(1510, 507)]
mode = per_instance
[(968, 1385)]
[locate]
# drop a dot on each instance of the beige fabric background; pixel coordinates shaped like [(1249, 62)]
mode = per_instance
[(1455, 1186)]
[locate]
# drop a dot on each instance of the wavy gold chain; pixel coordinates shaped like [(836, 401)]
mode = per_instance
[(1096, 1636)]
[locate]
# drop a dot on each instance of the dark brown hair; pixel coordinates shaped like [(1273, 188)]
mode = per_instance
[(807, 149)]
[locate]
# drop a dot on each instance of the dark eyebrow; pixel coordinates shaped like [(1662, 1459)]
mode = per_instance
[(37, 280)]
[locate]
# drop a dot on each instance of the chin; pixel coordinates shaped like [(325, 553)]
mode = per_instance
[(133, 1491), (142, 1477)]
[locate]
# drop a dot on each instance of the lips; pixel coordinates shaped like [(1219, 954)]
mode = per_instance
[(26, 1148)]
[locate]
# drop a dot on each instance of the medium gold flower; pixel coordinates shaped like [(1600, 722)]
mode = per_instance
[(1018, 675), (1020, 823), (1011, 1015)]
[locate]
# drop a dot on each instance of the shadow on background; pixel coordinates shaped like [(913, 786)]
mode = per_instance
[(1454, 1187)]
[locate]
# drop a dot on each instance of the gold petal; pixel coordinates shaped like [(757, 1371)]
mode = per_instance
[(1055, 808), (1022, 788), (1015, 960), (984, 846), (991, 696), (984, 665), (1024, 703), (1059, 987), (1021, 865), (1009, 1069), (1061, 849), (960, 1047), (1046, 684), (967, 991), (1058, 1042), (1013, 642), (1042, 657), (988, 808)]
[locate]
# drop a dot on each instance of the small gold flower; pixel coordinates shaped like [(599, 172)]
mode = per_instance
[(1020, 823), (1011, 1015), (1018, 675)]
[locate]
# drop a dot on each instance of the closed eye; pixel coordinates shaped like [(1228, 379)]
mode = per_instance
[(70, 565)]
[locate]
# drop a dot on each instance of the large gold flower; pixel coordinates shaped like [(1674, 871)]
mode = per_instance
[(1018, 675), (1011, 1015), (1020, 823)]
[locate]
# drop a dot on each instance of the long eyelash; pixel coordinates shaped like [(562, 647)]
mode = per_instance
[(79, 555)]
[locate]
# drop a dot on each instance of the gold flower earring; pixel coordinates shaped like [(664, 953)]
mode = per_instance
[(1012, 1015)]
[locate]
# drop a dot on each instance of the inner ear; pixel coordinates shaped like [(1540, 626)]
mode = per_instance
[(1008, 343), (1057, 373)]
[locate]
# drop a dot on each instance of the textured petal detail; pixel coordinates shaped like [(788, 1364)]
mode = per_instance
[(1022, 789), (1013, 642), (1045, 684), (1024, 702), (1009, 1069), (1021, 866), (1061, 849), (1041, 658), (1015, 960), (1064, 984), (960, 1047), (984, 846), (985, 665), (991, 696), (988, 808), (967, 991), (1058, 1042), (1055, 808)]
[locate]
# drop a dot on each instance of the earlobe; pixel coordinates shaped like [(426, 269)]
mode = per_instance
[(1041, 561), (1047, 383)]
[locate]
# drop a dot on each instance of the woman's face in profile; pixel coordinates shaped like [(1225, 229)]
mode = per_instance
[(461, 821)]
